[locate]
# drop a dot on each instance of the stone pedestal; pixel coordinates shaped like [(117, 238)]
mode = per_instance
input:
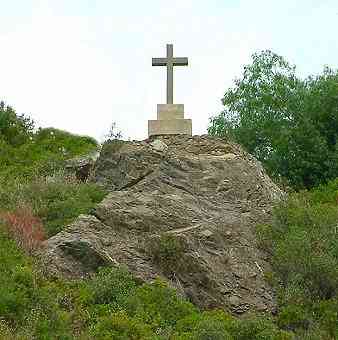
[(170, 121)]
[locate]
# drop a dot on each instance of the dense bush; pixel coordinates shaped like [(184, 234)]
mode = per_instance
[(15, 129), (16, 281), (303, 243), (167, 252), (26, 306), (32, 174), (110, 287), (57, 201), (120, 326), (213, 324), (42, 155), (27, 152), (288, 123)]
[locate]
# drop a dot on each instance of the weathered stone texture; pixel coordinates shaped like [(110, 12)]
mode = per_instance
[(207, 193), (169, 127)]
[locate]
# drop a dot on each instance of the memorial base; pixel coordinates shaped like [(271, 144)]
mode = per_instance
[(169, 127), (170, 121)]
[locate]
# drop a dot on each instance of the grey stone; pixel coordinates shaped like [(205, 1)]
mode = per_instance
[(81, 167), (234, 300), (170, 62), (153, 194), (158, 145), (170, 117), (169, 127), (170, 111), (206, 233)]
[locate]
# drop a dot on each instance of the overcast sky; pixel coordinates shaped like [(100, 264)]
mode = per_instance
[(79, 65)]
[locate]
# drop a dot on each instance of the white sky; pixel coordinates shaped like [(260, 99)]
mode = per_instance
[(79, 65)]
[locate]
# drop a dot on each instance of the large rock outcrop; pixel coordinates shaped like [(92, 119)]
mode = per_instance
[(181, 208)]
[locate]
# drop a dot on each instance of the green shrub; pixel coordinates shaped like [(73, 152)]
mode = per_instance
[(167, 251), (16, 281), (207, 325), (294, 317), (14, 129), (259, 328), (65, 144), (121, 326), (57, 203), (158, 305), (325, 193), (303, 244), (110, 286), (25, 154), (326, 314), (26, 302), (306, 250)]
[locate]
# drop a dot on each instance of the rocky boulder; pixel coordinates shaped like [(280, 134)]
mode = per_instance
[(82, 166), (180, 208)]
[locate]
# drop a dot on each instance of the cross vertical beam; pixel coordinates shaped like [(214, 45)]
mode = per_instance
[(170, 62), (170, 74)]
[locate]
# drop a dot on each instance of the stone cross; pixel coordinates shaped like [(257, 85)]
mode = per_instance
[(170, 117), (170, 62)]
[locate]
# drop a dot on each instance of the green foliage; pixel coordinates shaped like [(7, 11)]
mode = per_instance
[(57, 201), (259, 328), (326, 314), (16, 282), (120, 326), (64, 143), (26, 154), (167, 252), (110, 287), (303, 243), (32, 171), (24, 303), (293, 317), (15, 130), (111, 305), (207, 325), (306, 248), (219, 325), (289, 124), (158, 305)]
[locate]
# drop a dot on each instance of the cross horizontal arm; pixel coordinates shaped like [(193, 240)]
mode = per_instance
[(180, 61), (160, 61), (170, 62)]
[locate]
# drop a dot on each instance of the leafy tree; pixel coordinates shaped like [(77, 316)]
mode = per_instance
[(289, 124), (14, 129)]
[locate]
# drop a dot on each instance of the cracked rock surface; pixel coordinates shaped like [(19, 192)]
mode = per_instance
[(205, 194)]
